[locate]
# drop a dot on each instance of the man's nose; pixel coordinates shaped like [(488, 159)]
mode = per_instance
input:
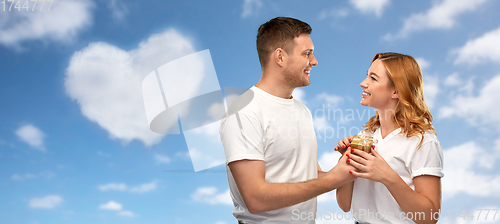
[(313, 62)]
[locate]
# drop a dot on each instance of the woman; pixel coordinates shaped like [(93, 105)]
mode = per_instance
[(399, 181)]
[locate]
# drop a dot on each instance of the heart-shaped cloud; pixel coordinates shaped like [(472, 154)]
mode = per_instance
[(106, 82)]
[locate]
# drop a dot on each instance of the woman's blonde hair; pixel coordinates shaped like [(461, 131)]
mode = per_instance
[(411, 112)]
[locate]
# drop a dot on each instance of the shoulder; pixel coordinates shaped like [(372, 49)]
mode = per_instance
[(302, 107), (246, 103), (430, 137)]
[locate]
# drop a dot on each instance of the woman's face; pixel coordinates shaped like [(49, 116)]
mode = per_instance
[(377, 91)]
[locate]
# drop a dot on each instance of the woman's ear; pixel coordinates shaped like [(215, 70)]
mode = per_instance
[(279, 56), (395, 95)]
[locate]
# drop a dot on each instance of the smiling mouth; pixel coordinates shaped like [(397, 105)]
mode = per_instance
[(364, 95), (307, 72)]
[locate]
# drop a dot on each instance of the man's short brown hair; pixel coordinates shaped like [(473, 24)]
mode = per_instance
[(279, 33)]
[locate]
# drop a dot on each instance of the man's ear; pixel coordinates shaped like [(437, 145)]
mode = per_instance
[(279, 56)]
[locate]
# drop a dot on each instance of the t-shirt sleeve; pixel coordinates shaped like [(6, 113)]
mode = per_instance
[(241, 135), (428, 160)]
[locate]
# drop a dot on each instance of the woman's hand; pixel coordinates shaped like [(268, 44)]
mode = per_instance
[(371, 166), (343, 144)]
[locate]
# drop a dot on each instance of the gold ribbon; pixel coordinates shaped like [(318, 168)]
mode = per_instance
[(363, 143)]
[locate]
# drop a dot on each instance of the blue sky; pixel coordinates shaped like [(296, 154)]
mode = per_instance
[(75, 146)]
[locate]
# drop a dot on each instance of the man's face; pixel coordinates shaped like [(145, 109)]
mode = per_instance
[(300, 62)]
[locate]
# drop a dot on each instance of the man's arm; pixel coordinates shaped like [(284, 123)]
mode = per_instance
[(260, 196)]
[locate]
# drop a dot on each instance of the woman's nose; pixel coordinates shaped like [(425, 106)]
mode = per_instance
[(364, 83)]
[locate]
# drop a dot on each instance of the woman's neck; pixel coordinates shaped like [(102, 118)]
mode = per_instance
[(387, 125)]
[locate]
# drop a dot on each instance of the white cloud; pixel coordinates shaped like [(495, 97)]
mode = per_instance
[(328, 160), (431, 90), (182, 155), (31, 135), (329, 197), (431, 83), (220, 222), (251, 7), (332, 100), (482, 49), (333, 13), (26, 176), (113, 187), (118, 9), (106, 82), (111, 205), (209, 195), (299, 94), (442, 15), (370, 6), (115, 206), (320, 123), (459, 84), (61, 24), (481, 110), (423, 63), (143, 188), (461, 175), (103, 154), (216, 111), (47, 202), (327, 109), (126, 213), (162, 159), (205, 147), (452, 80)]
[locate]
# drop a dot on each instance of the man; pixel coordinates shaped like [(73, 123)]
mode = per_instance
[(269, 143)]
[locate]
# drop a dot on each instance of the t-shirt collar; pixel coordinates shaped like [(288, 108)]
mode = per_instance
[(274, 98)]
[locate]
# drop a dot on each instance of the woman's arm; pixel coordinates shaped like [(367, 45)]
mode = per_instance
[(421, 202), (344, 196)]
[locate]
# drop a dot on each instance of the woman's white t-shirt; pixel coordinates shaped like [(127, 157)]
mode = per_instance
[(371, 201)]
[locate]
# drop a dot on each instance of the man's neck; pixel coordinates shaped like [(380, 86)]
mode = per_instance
[(274, 87)]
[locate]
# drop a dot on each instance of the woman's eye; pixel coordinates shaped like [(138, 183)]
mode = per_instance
[(373, 79)]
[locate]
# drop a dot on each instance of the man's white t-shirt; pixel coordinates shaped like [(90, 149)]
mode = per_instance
[(279, 132), (371, 201)]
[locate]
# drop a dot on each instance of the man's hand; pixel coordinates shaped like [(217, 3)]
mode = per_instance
[(344, 144), (341, 172)]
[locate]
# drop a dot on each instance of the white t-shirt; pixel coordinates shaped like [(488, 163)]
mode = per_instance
[(279, 132), (371, 201)]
